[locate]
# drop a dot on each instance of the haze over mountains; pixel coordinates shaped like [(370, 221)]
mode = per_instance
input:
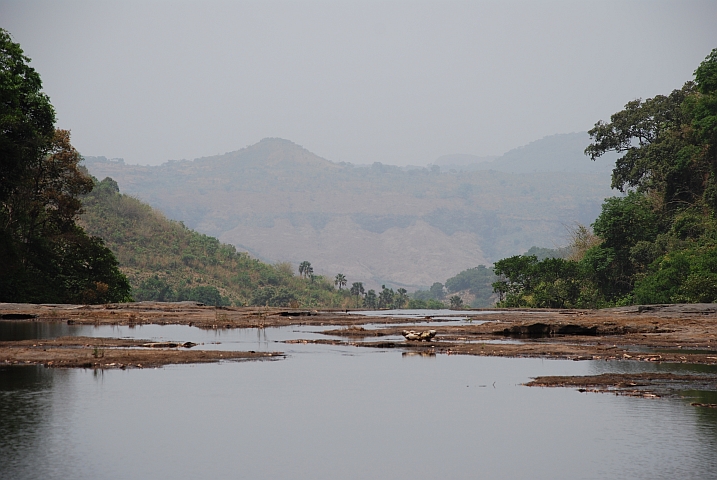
[(556, 153), (380, 223)]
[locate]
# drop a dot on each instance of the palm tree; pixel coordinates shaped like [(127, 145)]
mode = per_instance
[(385, 298), (340, 280), (357, 289), (305, 269)]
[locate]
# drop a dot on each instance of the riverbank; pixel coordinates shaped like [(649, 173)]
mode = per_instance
[(658, 333)]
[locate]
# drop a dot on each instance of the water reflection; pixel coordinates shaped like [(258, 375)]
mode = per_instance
[(329, 416), (15, 330), (418, 354), (333, 411), (624, 366), (25, 412)]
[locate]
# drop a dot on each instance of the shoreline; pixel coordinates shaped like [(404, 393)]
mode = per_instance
[(684, 334)]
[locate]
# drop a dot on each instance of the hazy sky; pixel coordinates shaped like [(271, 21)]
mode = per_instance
[(395, 82)]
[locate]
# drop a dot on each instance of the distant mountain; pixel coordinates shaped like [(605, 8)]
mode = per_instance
[(377, 224), (458, 160), (556, 153)]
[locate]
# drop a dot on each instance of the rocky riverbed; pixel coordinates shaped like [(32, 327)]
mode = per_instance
[(656, 333)]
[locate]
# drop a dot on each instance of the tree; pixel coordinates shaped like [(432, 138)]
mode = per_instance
[(656, 244), (305, 269), (516, 276), (669, 147), (656, 140), (44, 255), (340, 280), (456, 302), (437, 291), (207, 295), (478, 281), (401, 298), (155, 289), (273, 297), (385, 298), (623, 223), (27, 119), (357, 290), (582, 239), (423, 304), (703, 108), (371, 299), (527, 282)]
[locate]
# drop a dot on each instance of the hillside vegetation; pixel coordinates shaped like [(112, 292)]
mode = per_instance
[(166, 261), (473, 287), (470, 288), (658, 243)]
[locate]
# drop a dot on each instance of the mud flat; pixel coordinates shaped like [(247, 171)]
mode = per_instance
[(107, 353), (671, 333), (684, 334), (646, 385)]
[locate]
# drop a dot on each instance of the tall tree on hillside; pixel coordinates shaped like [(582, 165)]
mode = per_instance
[(340, 280), (44, 255), (357, 290)]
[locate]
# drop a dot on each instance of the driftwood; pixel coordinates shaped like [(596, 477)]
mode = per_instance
[(426, 335)]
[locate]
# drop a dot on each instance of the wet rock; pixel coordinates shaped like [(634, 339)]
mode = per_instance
[(535, 330), (577, 330), (18, 316), (541, 330), (304, 313), (424, 336)]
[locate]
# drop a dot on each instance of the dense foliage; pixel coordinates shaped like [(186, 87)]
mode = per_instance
[(166, 261), (658, 242), (471, 287), (44, 255)]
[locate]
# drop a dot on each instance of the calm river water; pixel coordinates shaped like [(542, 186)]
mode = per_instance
[(336, 412)]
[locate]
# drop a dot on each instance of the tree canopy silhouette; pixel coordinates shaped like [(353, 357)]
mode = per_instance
[(44, 255)]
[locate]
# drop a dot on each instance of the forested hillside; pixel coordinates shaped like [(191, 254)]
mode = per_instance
[(166, 261), (379, 224), (658, 243)]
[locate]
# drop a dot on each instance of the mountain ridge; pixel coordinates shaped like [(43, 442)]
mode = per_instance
[(283, 203), (562, 152)]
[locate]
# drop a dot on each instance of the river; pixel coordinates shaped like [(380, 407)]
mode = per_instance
[(336, 412)]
